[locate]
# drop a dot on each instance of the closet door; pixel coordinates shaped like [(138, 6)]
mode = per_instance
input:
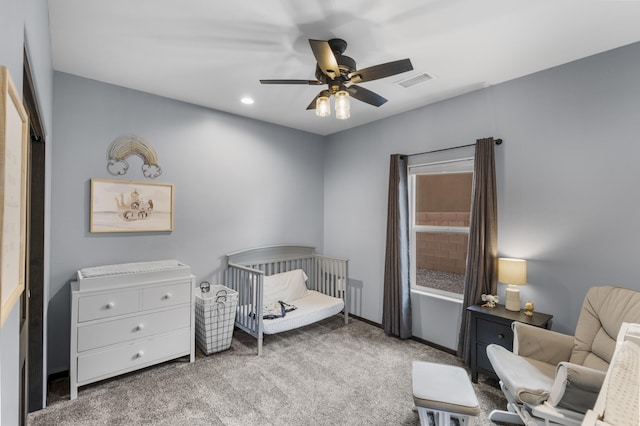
[(32, 323)]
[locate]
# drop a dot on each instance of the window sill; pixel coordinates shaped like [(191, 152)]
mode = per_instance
[(434, 295)]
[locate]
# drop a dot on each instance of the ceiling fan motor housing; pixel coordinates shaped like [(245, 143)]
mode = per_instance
[(346, 64), (337, 45), (339, 73)]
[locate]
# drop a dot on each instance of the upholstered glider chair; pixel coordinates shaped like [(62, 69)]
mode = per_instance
[(553, 378)]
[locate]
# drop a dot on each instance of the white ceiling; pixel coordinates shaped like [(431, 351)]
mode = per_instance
[(212, 52)]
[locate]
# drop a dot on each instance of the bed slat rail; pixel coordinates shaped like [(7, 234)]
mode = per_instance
[(330, 277), (248, 282)]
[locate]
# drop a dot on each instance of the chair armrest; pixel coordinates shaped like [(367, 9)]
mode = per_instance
[(541, 344), (576, 387)]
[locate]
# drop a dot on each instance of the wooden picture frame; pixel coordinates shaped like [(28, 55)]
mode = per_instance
[(14, 133), (129, 206)]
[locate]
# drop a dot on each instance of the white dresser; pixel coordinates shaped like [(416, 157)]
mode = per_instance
[(129, 316)]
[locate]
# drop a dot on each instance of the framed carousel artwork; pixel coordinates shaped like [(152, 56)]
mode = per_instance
[(128, 206)]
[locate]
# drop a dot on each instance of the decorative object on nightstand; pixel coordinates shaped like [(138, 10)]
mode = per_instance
[(528, 308), (512, 272), (490, 300)]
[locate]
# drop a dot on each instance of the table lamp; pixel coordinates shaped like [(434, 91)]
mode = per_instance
[(514, 273)]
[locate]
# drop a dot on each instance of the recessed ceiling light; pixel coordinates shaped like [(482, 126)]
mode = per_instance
[(247, 100)]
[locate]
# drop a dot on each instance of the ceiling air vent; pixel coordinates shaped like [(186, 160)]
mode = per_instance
[(412, 81)]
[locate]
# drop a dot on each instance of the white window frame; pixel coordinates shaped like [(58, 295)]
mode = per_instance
[(461, 164)]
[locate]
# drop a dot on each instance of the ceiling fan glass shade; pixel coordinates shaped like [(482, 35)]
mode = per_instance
[(323, 107), (342, 105)]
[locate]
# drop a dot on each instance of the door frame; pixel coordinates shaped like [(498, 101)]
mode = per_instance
[(33, 391)]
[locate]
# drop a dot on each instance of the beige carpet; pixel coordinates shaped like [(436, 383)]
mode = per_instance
[(323, 374)]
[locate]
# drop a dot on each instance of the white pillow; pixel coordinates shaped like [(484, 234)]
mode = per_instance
[(285, 287)]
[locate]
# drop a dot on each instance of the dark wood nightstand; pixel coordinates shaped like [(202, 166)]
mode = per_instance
[(493, 325)]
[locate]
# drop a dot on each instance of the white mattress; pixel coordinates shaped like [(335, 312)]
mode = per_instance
[(313, 307)]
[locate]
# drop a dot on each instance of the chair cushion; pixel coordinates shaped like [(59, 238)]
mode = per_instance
[(575, 387), (603, 311), (443, 388), (529, 380)]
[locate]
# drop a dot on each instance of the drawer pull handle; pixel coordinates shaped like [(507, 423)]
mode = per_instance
[(110, 305), (139, 354), (500, 336), (140, 327), (166, 296)]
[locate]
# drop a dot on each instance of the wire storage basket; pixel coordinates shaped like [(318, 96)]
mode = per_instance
[(215, 318)]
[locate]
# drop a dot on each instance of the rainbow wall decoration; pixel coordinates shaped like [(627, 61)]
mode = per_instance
[(126, 146)]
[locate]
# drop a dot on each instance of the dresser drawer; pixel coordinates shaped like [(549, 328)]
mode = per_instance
[(141, 326), (133, 356), (167, 295), (108, 305), (488, 332)]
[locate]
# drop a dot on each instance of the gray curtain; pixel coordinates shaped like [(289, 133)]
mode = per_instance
[(396, 308), (483, 238)]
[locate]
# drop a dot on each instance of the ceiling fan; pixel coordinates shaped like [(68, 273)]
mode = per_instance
[(339, 73)]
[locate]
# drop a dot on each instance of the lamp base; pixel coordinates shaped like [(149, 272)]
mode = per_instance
[(513, 299)]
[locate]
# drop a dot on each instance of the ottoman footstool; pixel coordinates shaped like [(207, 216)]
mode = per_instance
[(444, 394)]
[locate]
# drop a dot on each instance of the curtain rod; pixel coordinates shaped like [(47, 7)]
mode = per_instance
[(497, 141)]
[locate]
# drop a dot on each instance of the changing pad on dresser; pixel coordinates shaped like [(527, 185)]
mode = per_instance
[(112, 276)]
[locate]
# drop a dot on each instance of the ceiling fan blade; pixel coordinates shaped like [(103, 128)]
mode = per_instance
[(365, 95), (381, 71), (312, 105), (325, 58), (308, 82)]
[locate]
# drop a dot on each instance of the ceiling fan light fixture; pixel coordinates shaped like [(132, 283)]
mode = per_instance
[(323, 107), (340, 74), (342, 105)]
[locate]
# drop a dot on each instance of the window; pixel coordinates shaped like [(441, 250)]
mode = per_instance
[(440, 205)]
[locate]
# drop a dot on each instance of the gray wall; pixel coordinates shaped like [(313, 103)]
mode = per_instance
[(23, 23), (357, 179), (567, 182), (238, 183), (567, 176)]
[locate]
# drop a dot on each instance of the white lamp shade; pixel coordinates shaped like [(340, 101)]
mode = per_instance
[(512, 271)]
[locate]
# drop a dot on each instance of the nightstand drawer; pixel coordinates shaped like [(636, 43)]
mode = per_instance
[(493, 325), (492, 332)]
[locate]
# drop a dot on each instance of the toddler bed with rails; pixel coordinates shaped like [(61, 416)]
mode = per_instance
[(283, 287)]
